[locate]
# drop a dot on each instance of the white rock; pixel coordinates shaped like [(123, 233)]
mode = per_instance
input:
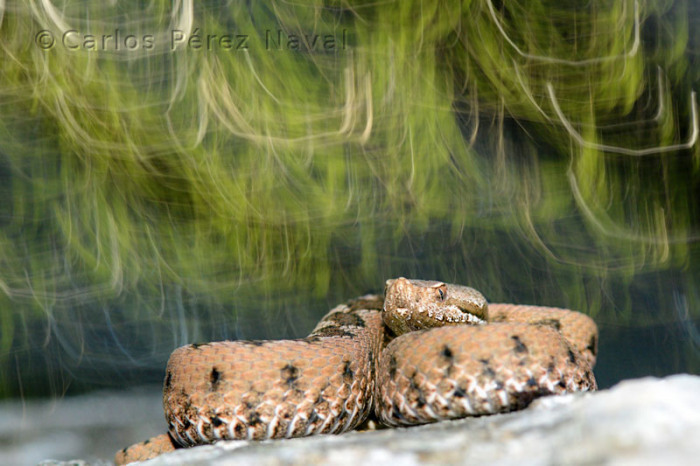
[(645, 421)]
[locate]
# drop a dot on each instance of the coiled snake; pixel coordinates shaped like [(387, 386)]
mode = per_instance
[(381, 354)]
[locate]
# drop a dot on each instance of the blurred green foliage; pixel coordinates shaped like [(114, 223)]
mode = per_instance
[(152, 195)]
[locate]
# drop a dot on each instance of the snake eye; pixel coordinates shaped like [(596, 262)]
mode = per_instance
[(442, 294)]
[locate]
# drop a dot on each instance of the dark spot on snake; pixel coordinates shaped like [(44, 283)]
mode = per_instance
[(348, 374), (551, 367), (347, 319), (531, 382), (519, 345), (572, 357), (252, 342), (395, 413), (186, 423), (562, 384), (420, 398), (334, 332), (449, 356), (146, 442), (488, 372), (239, 430), (500, 385), (124, 450), (554, 323), (592, 345), (459, 392), (313, 417), (216, 422), (214, 378), (254, 419), (289, 374), (198, 345), (393, 365), (375, 303), (447, 353), (414, 384), (187, 407), (206, 431), (168, 379)]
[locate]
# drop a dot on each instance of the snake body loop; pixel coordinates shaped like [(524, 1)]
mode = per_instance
[(368, 355)]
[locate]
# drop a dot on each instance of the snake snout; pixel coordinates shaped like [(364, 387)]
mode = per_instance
[(472, 303)]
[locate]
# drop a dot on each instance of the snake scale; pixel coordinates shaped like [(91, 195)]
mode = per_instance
[(425, 351)]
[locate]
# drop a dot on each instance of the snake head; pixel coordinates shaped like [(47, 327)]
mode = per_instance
[(417, 304)]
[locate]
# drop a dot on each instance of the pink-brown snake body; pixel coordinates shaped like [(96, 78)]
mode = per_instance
[(363, 357)]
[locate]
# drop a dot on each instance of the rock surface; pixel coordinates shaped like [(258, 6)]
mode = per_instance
[(643, 421), (90, 426)]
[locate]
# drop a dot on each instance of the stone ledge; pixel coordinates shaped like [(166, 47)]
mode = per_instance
[(642, 421)]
